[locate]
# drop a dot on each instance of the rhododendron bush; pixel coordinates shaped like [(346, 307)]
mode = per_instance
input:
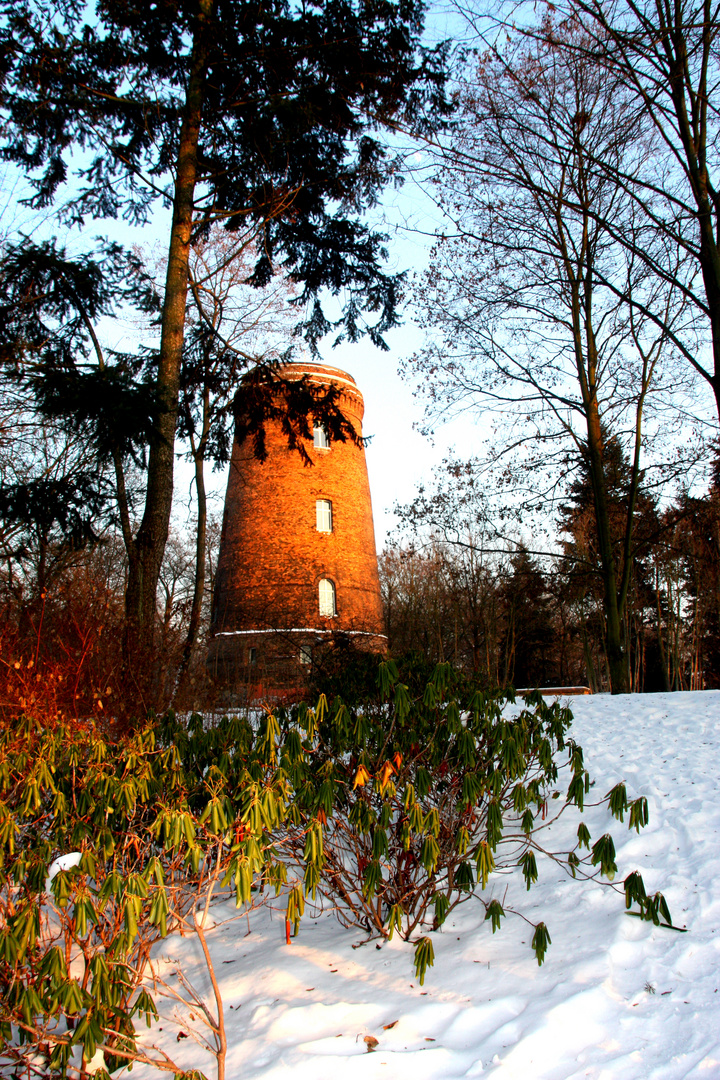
[(393, 811)]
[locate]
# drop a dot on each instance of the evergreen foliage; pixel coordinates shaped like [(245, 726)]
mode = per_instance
[(267, 117), (396, 810)]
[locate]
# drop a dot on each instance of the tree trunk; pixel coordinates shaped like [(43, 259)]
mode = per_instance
[(199, 587), (693, 131), (661, 640), (140, 598), (581, 291), (617, 662)]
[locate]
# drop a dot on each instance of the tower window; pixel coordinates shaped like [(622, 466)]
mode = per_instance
[(306, 654), (320, 438), (326, 591), (252, 656), (323, 515)]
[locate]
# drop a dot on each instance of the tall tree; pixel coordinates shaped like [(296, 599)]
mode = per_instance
[(51, 307), (525, 298), (582, 568), (690, 569), (263, 115), (663, 57), (529, 639)]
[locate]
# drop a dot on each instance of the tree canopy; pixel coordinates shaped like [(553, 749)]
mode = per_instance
[(267, 117)]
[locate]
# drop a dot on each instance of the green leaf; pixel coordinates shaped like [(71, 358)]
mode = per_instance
[(311, 879), (387, 677), (30, 1005), (112, 886), (395, 920), (464, 879), (471, 788), (494, 912), (494, 823), (432, 822), (416, 818), (430, 697), (9, 947), (72, 997), (61, 886), (634, 889), (429, 853), (519, 798), (372, 879), (442, 906), (380, 844), (402, 702), (424, 958), (144, 1004), (541, 940), (664, 909), (159, 910), (638, 814), (576, 791), (154, 870), (295, 906), (422, 782), (466, 748), (603, 854), (243, 877), (529, 868), (617, 801), (462, 840), (485, 863)]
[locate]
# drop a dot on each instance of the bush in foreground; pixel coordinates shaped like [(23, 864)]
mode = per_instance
[(395, 811), (417, 801)]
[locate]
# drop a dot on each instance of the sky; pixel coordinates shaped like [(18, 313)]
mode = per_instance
[(399, 457)]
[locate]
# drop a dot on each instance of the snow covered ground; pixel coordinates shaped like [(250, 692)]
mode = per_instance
[(616, 998)]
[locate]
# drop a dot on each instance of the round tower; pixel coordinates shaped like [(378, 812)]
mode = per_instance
[(297, 569)]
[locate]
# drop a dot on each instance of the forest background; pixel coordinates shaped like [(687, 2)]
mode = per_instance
[(560, 167)]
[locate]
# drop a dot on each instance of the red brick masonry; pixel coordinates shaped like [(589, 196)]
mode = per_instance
[(272, 556)]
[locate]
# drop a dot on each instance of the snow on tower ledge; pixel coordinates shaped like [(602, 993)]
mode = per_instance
[(298, 566)]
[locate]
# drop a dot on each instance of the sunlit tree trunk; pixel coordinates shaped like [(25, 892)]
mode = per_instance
[(149, 543)]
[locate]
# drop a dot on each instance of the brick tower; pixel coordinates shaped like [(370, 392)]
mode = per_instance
[(297, 569)]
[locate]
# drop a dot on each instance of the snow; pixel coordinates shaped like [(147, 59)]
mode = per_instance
[(63, 862), (615, 999)]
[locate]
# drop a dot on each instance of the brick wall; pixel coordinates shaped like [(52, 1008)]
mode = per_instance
[(272, 556)]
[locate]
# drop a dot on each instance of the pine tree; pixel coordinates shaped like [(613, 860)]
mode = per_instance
[(529, 644), (265, 116), (633, 525)]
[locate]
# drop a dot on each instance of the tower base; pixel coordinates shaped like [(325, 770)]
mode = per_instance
[(279, 666)]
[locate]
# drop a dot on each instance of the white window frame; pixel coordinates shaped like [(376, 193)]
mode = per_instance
[(306, 654), (327, 598), (323, 515), (320, 437)]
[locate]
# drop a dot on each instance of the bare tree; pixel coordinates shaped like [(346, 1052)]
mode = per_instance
[(663, 59), (527, 299), (232, 327)]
